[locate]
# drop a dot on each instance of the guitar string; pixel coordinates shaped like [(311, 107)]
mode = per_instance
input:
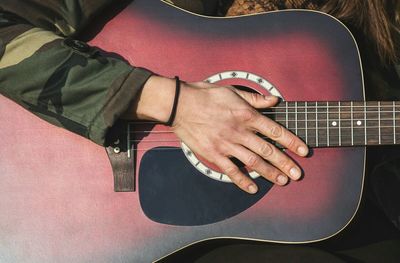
[(303, 105), (319, 107), (322, 144), (308, 129), (324, 105), (321, 138), (308, 113), (320, 128), (330, 111)]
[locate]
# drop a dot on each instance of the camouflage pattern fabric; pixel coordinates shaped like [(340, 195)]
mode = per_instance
[(63, 80)]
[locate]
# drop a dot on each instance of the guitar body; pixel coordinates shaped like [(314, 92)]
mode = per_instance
[(56, 195)]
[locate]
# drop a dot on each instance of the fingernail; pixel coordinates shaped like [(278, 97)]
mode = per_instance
[(253, 189), (282, 179), (269, 97), (295, 173), (303, 151)]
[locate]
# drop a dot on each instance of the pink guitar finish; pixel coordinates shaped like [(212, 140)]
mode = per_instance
[(56, 193)]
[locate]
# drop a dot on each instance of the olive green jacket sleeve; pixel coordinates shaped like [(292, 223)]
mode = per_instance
[(62, 80)]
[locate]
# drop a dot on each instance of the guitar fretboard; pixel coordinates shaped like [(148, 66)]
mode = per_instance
[(334, 124)]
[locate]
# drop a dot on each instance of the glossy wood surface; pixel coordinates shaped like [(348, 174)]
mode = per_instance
[(56, 193)]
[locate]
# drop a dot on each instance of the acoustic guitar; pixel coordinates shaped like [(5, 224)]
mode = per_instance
[(56, 193)]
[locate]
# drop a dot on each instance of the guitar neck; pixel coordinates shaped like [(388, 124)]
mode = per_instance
[(336, 124)]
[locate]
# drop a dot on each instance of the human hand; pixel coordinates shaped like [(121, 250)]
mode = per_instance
[(221, 122)]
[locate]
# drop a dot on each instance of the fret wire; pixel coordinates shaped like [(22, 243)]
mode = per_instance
[(287, 115), (351, 118), (379, 121), (306, 122), (340, 131), (394, 122), (365, 123), (327, 123), (295, 116), (316, 122)]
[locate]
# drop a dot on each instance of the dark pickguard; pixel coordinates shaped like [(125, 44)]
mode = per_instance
[(173, 192)]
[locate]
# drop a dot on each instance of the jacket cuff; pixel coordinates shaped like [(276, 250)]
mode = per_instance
[(120, 99)]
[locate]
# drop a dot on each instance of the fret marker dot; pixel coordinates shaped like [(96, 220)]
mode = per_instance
[(334, 123), (359, 123)]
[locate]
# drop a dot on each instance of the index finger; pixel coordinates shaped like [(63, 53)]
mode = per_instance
[(279, 134)]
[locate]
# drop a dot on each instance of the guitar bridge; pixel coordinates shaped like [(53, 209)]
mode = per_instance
[(122, 157)]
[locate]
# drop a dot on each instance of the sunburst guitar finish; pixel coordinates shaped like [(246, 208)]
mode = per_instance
[(56, 194)]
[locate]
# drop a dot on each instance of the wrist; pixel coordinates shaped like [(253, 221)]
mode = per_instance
[(155, 100), (174, 108)]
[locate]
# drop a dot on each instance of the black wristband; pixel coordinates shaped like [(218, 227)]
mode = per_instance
[(176, 99)]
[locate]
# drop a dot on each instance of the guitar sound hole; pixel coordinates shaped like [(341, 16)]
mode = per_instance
[(245, 88)]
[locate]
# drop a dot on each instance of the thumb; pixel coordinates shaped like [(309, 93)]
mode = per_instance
[(257, 100)]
